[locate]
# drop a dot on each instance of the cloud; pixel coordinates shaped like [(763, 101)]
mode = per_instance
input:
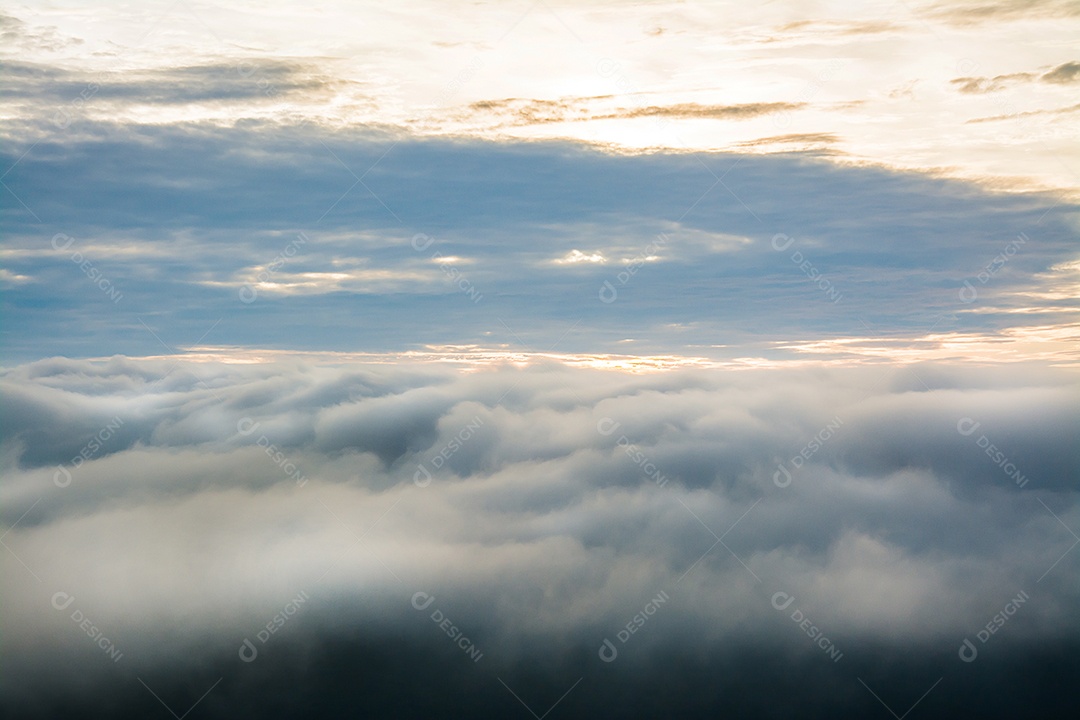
[(719, 112), (606, 76), (818, 29), (1061, 75), (794, 139), (17, 34), (526, 112), (542, 507), (248, 80), (1031, 113), (976, 13), (985, 85), (564, 361)]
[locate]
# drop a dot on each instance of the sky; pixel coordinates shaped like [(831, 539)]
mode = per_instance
[(540, 359)]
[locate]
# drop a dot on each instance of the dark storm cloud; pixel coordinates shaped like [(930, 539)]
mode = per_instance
[(188, 216), (542, 508)]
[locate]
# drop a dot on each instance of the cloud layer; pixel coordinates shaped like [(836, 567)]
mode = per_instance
[(544, 509), (548, 359), (880, 77)]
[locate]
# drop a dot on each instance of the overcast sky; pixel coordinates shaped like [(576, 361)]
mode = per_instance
[(540, 359)]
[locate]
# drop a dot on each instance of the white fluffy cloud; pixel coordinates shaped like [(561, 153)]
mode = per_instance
[(531, 514)]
